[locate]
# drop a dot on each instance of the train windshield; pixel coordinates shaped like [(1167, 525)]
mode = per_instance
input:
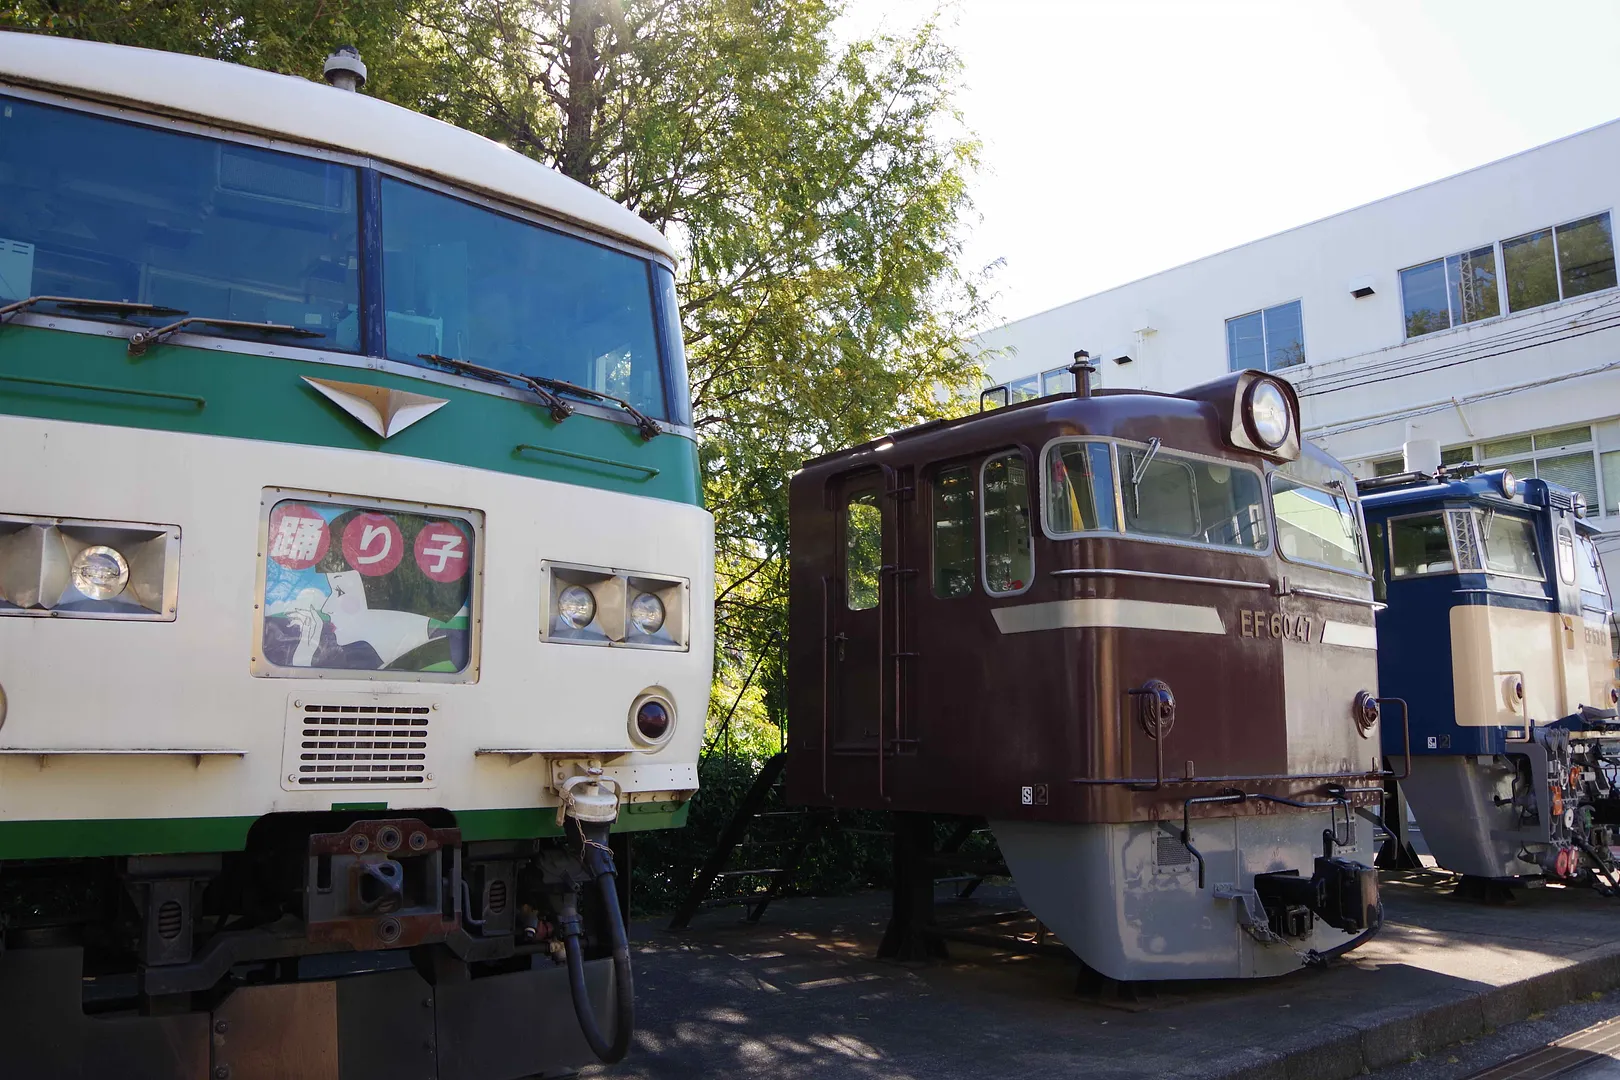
[(100, 209), (1316, 526), (1510, 545), (1590, 566), (1079, 488), (474, 284), (1174, 497)]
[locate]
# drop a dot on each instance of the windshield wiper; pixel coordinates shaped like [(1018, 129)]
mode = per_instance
[(1139, 469), (124, 308), (645, 424), (547, 390), (560, 410), (141, 340)]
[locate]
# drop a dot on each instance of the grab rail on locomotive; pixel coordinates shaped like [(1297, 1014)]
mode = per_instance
[(1132, 630), (1498, 632)]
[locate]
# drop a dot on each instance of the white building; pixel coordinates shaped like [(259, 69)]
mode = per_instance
[(1480, 310)]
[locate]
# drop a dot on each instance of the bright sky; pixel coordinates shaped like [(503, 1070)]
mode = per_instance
[(1123, 137)]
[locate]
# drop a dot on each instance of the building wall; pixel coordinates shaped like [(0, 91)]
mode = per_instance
[(1364, 386)]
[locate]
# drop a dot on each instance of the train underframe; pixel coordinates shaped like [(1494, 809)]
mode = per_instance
[(333, 946), (1250, 896), (1547, 809)]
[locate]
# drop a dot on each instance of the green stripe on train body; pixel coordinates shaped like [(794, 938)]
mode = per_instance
[(90, 378), (168, 836)]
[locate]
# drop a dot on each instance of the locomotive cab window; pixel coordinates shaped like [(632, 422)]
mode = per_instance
[(1079, 489), (954, 522), (1566, 556), (863, 550), (1174, 497), (1316, 526), (1419, 545), (1510, 545), (1008, 558), (1590, 569)]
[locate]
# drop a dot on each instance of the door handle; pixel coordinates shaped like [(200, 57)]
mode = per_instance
[(840, 638)]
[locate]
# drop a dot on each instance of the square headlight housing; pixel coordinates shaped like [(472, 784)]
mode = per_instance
[(597, 605), (80, 568)]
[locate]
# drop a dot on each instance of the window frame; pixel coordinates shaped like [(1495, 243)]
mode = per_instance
[(1451, 546), (1044, 493), (1115, 444), (1485, 544), (1499, 254), (1022, 454), (1265, 347), (372, 356), (851, 498), (932, 472), (1362, 543)]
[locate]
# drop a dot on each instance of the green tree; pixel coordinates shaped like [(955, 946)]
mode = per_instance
[(817, 191)]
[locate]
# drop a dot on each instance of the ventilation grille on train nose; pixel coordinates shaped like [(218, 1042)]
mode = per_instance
[(358, 740)]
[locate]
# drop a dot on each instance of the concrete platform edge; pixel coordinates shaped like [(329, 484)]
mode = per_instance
[(1353, 1050)]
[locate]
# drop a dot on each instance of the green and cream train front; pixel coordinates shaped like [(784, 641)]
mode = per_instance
[(354, 578)]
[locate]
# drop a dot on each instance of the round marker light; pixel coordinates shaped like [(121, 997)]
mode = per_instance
[(652, 719), (647, 613), (100, 572), (1510, 484), (576, 606), (1269, 419)]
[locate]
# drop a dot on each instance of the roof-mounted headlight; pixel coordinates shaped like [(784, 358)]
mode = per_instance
[(1509, 484), (1266, 414)]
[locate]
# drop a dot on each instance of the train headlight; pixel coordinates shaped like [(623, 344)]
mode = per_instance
[(598, 605), (576, 606), (1266, 414), (647, 613), (652, 719), (1510, 484), (100, 572)]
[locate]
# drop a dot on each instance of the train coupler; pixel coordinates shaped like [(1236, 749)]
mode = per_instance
[(388, 883), (1342, 893)]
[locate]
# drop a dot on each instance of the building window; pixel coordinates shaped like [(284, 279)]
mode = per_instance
[(1026, 389), (1564, 456), (953, 531), (1266, 340), (1538, 268), (1060, 380), (1557, 263), (1611, 483), (1450, 292)]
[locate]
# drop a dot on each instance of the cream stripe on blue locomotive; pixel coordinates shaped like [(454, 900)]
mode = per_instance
[(1350, 635), (1109, 613)]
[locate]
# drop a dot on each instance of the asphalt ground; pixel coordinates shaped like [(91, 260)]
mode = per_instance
[(800, 995)]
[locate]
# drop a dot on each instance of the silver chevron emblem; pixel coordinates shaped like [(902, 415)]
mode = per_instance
[(385, 411)]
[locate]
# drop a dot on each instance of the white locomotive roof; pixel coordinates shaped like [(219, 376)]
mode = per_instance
[(299, 110)]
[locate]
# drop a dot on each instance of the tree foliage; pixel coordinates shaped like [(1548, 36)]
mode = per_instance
[(817, 191)]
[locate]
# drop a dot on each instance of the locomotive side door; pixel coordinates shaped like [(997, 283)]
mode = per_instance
[(856, 616)]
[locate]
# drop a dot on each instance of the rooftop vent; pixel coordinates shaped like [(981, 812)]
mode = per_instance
[(344, 69)]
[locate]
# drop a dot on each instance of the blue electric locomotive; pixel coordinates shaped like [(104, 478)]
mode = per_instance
[(1497, 634)]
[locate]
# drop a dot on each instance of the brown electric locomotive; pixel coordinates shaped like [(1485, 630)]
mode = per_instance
[(1133, 631)]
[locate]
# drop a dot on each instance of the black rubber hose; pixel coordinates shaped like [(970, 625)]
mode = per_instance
[(599, 861)]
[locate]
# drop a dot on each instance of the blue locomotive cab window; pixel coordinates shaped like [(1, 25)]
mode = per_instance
[(1510, 545), (1419, 545), (101, 209), (1589, 568), (1316, 526), (1079, 489), (1173, 497), (472, 284)]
